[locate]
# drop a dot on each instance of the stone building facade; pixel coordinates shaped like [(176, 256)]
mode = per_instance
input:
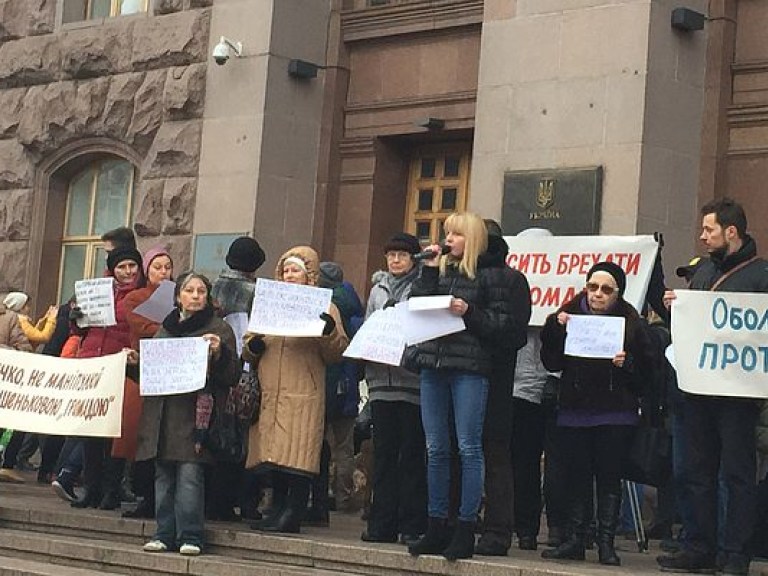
[(418, 107)]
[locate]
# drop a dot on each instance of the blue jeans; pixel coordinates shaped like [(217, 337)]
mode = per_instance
[(463, 394), (179, 502)]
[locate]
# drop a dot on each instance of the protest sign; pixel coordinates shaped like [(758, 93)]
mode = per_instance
[(159, 304), (379, 339), (283, 309), (172, 365), (720, 344), (418, 303), (61, 396), (594, 336), (420, 326), (556, 267), (96, 300)]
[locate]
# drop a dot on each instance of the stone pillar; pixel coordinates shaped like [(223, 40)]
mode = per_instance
[(261, 127), (608, 83)]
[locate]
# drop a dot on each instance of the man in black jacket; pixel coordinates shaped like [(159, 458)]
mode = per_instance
[(497, 432), (720, 431)]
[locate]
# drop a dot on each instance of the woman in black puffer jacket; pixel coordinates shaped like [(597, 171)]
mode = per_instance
[(454, 372), (598, 410)]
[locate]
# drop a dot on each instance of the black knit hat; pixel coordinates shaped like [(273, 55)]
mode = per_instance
[(121, 254), (402, 241), (614, 270), (245, 255), (331, 275)]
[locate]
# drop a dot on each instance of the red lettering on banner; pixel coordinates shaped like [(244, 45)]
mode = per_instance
[(633, 265)]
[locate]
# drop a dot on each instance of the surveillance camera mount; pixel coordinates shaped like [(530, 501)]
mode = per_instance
[(237, 47)]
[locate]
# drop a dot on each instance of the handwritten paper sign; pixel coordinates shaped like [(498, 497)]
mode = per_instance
[(172, 365), (380, 339), (594, 336), (62, 396), (556, 267), (421, 326), (96, 300), (159, 304), (283, 309), (418, 303), (720, 344)]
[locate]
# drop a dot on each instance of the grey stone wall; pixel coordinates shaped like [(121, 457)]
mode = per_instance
[(138, 80)]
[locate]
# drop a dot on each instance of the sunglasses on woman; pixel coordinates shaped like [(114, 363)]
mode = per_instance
[(604, 288)]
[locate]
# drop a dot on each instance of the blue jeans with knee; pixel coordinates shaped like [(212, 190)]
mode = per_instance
[(454, 399), (179, 502)]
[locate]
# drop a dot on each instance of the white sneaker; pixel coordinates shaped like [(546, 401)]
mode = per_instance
[(155, 546), (189, 550)]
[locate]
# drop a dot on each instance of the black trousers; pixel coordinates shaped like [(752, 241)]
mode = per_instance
[(556, 482), (399, 470), (101, 473), (720, 441), (594, 452), (497, 435), (527, 447), (10, 455)]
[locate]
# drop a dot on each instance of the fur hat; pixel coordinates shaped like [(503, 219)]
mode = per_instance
[(614, 270), (245, 255), (120, 255), (402, 241), (15, 301)]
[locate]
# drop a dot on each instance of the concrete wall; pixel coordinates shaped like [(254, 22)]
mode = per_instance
[(576, 83), (261, 128)]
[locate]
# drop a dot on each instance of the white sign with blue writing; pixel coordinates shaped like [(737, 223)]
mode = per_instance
[(720, 342)]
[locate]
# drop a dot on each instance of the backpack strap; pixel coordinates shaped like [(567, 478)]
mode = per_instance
[(731, 272)]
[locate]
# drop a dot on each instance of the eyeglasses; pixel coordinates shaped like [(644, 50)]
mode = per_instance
[(604, 288), (398, 255)]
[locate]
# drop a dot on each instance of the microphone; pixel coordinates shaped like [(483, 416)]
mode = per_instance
[(429, 254)]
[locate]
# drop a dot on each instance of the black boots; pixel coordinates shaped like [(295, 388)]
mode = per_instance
[(572, 547), (289, 520), (436, 539), (463, 542), (91, 498), (607, 517)]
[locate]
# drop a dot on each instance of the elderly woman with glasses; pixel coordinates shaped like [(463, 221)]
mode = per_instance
[(598, 408)]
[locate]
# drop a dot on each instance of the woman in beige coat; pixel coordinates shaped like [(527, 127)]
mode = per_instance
[(288, 436)]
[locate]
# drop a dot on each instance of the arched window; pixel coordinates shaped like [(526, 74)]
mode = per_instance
[(99, 198)]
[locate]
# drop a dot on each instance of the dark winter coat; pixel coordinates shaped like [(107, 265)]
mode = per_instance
[(166, 430), (491, 326), (752, 278), (342, 379), (596, 384), (233, 292)]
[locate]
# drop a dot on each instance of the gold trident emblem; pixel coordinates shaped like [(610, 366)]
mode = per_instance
[(545, 196)]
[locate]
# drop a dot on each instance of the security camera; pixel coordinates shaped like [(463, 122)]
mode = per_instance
[(221, 50)]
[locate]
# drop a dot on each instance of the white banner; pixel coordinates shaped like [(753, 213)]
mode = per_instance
[(283, 309), (720, 342), (61, 396), (556, 267), (172, 365), (96, 299), (380, 339)]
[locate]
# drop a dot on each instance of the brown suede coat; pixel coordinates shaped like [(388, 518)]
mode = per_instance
[(289, 432), (11, 334)]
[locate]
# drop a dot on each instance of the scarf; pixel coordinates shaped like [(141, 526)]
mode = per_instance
[(175, 326)]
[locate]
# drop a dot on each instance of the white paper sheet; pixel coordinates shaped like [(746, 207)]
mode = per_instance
[(380, 339), (418, 303), (594, 336), (172, 365), (428, 324), (283, 309), (96, 299), (159, 304)]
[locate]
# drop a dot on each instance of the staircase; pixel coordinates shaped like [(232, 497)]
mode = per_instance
[(42, 536)]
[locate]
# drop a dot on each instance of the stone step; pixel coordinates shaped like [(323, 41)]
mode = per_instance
[(10, 566), (37, 554)]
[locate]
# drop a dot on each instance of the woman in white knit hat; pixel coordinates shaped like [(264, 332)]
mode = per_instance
[(39, 332)]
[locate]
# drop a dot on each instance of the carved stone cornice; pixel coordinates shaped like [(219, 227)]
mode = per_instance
[(409, 17), (412, 102)]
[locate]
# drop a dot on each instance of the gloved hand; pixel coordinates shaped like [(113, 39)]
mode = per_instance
[(330, 323), (256, 345), (389, 303), (75, 313)]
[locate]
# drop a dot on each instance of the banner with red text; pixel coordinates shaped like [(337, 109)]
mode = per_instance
[(557, 266), (61, 396)]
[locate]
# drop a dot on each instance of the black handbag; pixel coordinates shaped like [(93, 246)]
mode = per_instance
[(649, 459), (225, 438), (244, 398)]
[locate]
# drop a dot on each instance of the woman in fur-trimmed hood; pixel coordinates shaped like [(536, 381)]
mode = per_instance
[(289, 433)]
